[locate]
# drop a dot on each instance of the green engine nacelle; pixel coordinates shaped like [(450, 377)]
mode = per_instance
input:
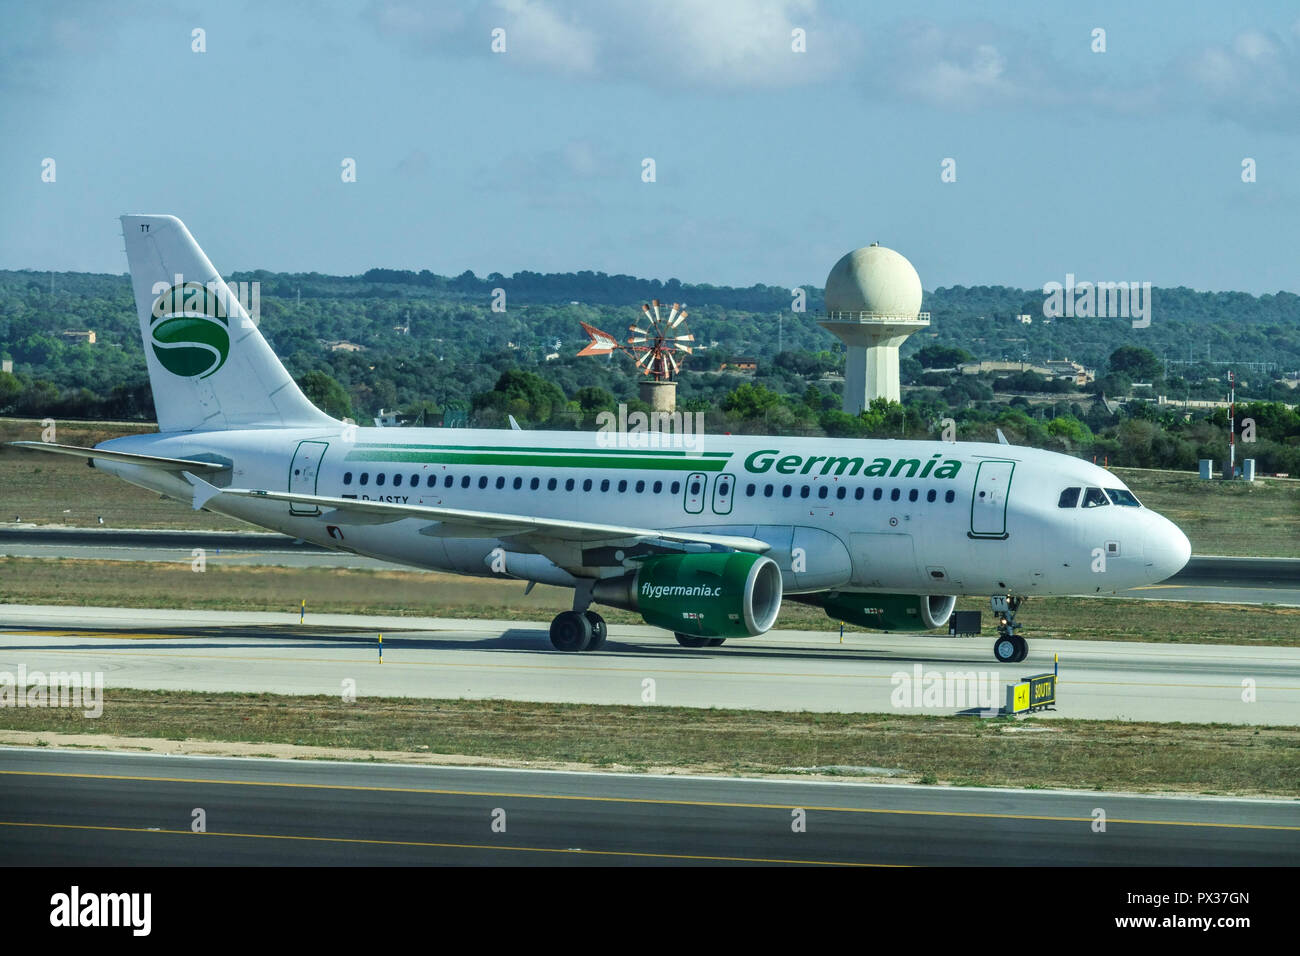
[(734, 594), (889, 612)]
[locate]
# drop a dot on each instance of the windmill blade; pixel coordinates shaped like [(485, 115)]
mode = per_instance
[(672, 361), (680, 319), (684, 348), (602, 343), (655, 303)]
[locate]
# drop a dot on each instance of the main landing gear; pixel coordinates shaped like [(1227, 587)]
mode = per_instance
[(578, 631), (1009, 647)]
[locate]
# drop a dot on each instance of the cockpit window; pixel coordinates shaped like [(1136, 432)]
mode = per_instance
[(1124, 497), (1069, 498), (1094, 498)]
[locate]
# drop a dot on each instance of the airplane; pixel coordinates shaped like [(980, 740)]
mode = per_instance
[(702, 535)]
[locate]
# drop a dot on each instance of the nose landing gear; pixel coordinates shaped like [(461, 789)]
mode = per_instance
[(1009, 647)]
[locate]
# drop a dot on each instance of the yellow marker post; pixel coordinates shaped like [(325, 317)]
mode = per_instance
[(381, 648), (302, 612)]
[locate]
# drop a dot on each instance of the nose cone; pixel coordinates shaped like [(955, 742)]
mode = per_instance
[(1167, 550)]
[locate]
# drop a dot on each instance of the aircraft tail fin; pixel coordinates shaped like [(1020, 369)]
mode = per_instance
[(209, 366)]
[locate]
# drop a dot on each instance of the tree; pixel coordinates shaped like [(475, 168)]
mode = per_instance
[(326, 393), (1139, 364), (943, 356)]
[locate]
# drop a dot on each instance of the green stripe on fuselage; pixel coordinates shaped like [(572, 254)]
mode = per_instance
[(516, 449), (585, 459)]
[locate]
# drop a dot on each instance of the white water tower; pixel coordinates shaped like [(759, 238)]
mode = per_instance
[(873, 303)]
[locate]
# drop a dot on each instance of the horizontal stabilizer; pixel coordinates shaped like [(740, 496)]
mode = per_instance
[(122, 457)]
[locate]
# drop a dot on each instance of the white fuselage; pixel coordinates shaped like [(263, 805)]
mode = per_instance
[(910, 517)]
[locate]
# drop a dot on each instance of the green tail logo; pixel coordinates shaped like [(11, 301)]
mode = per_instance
[(189, 330)]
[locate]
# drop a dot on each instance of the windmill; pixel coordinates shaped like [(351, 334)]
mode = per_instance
[(658, 344)]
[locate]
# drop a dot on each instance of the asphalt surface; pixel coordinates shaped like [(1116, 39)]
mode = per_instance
[(781, 671), (1207, 578), (69, 808)]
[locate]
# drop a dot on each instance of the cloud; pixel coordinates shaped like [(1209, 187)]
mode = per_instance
[(1254, 79), (724, 44)]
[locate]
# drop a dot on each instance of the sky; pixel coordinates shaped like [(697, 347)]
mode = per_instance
[(770, 162)]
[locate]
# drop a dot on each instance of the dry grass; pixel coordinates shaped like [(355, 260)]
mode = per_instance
[(1101, 755)]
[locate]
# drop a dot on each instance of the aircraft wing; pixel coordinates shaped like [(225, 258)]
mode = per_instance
[(126, 458), (459, 523)]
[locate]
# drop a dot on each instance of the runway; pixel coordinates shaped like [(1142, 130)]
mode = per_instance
[(781, 671), (69, 808), (1207, 578)]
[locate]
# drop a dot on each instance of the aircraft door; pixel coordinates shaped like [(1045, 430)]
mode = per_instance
[(304, 472), (697, 486), (988, 507)]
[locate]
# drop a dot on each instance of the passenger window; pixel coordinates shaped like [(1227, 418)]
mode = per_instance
[(431, 480), (695, 487), (1094, 498), (568, 485), (464, 481), (518, 483), (858, 493), (912, 495), (893, 494), (449, 481), (824, 490), (640, 487), (482, 482), (750, 489), (931, 495), (586, 484), (379, 478), (501, 482), (657, 487), (722, 488), (347, 477), (876, 493), (803, 492), (535, 484), (1123, 497), (397, 481), (622, 487), (1069, 498), (767, 490), (675, 487), (950, 497), (843, 492), (785, 492), (550, 484), (604, 484), (365, 477)]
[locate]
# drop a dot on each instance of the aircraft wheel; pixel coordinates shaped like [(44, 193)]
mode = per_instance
[(570, 631), (1022, 649), (599, 631), (716, 641), (1006, 649), (690, 640)]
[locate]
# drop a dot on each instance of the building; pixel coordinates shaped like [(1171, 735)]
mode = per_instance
[(873, 303), (88, 336), (749, 365), (1053, 369)]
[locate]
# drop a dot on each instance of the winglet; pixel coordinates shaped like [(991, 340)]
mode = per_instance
[(203, 491), (1002, 439)]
